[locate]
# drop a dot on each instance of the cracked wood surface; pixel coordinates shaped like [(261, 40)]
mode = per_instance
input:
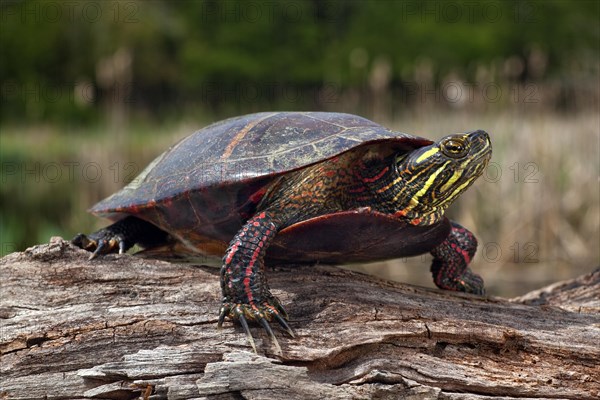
[(124, 327)]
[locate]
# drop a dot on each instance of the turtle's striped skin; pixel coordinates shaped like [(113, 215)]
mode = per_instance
[(300, 187)]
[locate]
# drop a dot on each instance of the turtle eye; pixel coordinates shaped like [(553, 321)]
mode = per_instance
[(454, 147)]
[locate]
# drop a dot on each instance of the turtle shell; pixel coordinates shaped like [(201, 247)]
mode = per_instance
[(202, 189)]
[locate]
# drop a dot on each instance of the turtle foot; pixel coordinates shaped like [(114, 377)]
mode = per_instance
[(468, 282), (101, 242), (261, 313)]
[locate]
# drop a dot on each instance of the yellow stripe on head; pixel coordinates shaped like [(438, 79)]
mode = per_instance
[(415, 199), (427, 154), (455, 176), (459, 189)]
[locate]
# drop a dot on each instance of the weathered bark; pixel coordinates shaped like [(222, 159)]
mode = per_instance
[(123, 327)]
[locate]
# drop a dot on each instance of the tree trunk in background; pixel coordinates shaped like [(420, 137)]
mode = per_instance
[(124, 327)]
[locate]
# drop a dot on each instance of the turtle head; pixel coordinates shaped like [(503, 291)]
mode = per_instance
[(430, 178)]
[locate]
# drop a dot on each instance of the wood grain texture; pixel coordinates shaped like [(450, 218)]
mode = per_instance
[(124, 327)]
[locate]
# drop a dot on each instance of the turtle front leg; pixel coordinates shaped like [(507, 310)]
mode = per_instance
[(246, 294), (450, 266)]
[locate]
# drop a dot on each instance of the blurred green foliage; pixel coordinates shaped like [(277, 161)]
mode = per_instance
[(186, 54)]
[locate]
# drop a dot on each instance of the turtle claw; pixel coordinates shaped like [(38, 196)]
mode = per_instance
[(267, 327), (261, 314), (246, 328), (122, 247), (99, 249), (93, 255), (285, 325)]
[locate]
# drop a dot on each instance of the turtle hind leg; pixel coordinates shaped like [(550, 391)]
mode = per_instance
[(120, 237), (450, 266)]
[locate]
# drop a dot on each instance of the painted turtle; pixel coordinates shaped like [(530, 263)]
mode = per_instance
[(299, 187)]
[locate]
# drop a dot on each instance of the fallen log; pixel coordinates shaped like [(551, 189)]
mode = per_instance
[(124, 327)]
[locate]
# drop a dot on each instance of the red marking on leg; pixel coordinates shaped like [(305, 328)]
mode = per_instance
[(250, 267), (234, 248), (462, 252), (247, 289)]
